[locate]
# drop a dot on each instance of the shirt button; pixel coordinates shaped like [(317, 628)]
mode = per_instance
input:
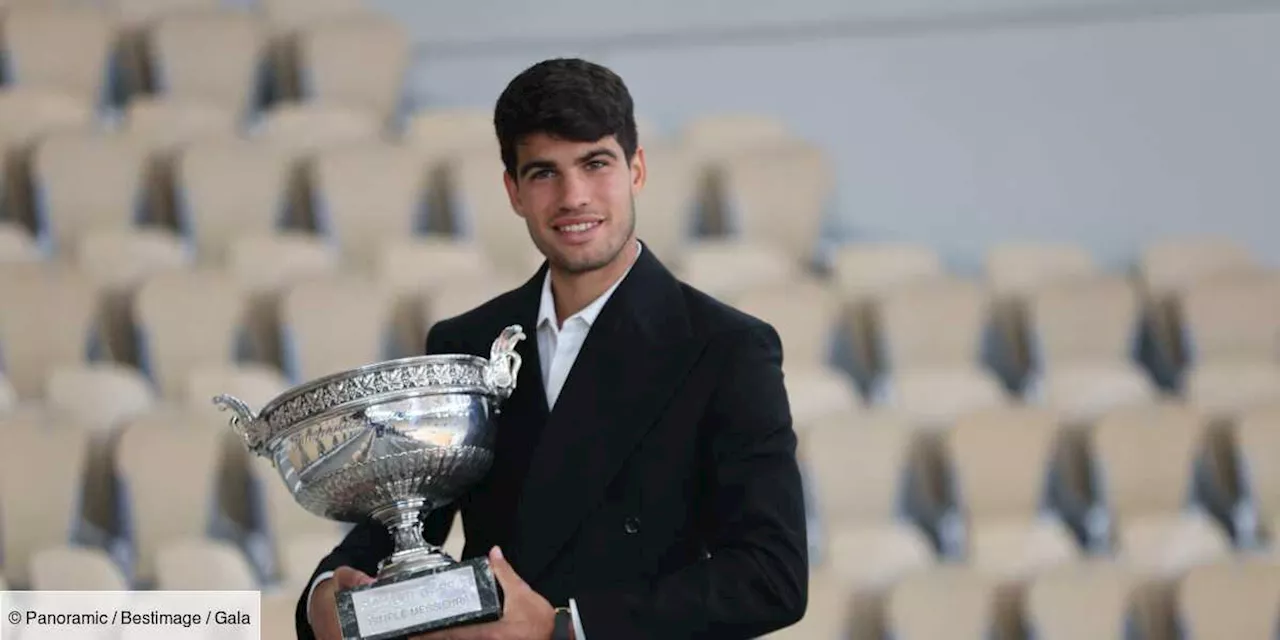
[(632, 525)]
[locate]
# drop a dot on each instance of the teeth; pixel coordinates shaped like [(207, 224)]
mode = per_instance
[(576, 228)]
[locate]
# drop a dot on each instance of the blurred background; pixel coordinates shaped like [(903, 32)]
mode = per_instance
[(1022, 257)]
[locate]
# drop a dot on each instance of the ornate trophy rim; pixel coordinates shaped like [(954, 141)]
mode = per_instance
[(412, 376), (300, 390)]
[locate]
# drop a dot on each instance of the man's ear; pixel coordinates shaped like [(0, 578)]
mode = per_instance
[(639, 171), (513, 192)]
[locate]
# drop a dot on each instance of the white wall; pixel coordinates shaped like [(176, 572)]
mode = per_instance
[(963, 134)]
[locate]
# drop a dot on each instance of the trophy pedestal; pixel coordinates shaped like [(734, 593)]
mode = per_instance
[(419, 601)]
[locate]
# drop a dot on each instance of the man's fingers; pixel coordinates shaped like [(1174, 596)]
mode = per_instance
[(347, 577), (507, 576)]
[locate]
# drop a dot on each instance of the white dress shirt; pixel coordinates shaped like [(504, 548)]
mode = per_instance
[(558, 347)]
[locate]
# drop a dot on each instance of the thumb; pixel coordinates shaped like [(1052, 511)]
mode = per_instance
[(506, 574)]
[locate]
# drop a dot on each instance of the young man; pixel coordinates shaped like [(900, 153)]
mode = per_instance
[(644, 482)]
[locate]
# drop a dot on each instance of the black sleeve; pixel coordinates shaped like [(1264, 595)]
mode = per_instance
[(369, 542), (756, 579)]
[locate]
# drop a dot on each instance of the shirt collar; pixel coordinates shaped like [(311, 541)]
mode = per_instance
[(547, 305)]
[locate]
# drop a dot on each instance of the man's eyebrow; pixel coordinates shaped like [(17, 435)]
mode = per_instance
[(535, 164), (547, 164), (594, 153)]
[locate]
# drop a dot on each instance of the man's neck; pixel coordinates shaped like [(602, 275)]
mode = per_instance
[(574, 291)]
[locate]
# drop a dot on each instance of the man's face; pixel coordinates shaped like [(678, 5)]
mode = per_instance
[(576, 198)]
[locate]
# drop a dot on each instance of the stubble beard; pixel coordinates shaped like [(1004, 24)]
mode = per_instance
[(586, 266)]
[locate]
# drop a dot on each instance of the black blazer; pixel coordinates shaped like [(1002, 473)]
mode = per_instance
[(662, 493)]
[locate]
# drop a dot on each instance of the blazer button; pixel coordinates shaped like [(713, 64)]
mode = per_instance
[(632, 525)]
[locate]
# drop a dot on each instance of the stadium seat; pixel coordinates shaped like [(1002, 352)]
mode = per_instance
[(442, 132), (165, 125), (1223, 390), (367, 195), (186, 320), (479, 207), (293, 14), (27, 114), (118, 261), (1257, 457), (144, 12), (1098, 600), (301, 129), (228, 189), (412, 268), (1231, 599), (60, 48), (1017, 269), (1166, 268), (1084, 391), (999, 467), (18, 245), (803, 313), (1086, 320), (862, 272), (1168, 265), (359, 61), (98, 396), (50, 458), (667, 207), (48, 320), (279, 615), (864, 474), (8, 397), (75, 568), (202, 564), (168, 472), (184, 71), (1232, 318), (816, 393), (333, 324), (911, 336), (948, 602), (716, 134), (458, 296), (778, 196), (931, 397), (91, 182), (265, 266), (1143, 466), (727, 268)]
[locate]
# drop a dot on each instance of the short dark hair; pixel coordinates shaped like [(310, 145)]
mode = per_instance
[(567, 98)]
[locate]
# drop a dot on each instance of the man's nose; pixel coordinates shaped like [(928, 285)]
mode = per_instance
[(575, 193)]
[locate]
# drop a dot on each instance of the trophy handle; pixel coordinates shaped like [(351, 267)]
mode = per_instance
[(243, 421), (504, 362)]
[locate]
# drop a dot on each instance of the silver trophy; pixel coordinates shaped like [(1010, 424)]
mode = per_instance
[(392, 441)]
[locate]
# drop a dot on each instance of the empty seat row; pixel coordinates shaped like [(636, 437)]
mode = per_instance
[(344, 55), (336, 173), (1014, 490), (1238, 599), (266, 305)]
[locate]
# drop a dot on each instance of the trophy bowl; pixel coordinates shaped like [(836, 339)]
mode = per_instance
[(392, 441)]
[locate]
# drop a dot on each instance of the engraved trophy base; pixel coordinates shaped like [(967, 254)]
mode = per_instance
[(411, 601)]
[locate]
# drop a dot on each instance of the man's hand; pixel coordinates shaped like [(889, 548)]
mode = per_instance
[(526, 615), (324, 608)]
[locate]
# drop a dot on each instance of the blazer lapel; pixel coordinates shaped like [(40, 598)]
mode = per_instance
[(632, 362)]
